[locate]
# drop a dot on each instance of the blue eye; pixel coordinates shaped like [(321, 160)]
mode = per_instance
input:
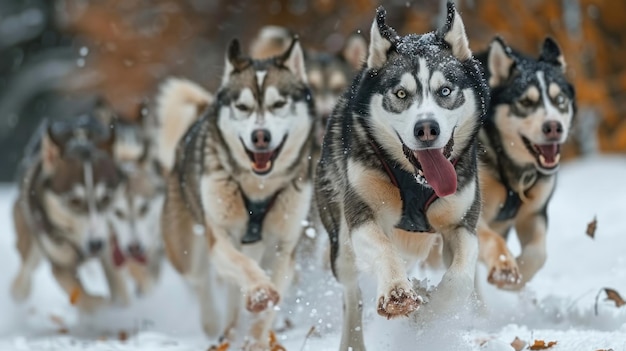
[(445, 91), (401, 94)]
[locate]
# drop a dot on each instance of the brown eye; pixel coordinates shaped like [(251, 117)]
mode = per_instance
[(243, 108), (401, 94), (526, 102), (143, 210), (279, 104), (76, 202)]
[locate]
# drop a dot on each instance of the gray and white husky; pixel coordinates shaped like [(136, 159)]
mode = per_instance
[(138, 202), (240, 186), (531, 113), (66, 184), (399, 166)]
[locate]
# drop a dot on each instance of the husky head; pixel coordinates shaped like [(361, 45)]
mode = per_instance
[(532, 103), (265, 108), (80, 177), (135, 214), (424, 98), (132, 142), (329, 76)]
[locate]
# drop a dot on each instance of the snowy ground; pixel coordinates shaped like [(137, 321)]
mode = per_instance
[(557, 306)]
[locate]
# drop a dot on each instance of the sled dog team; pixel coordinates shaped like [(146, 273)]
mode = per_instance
[(405, 148)]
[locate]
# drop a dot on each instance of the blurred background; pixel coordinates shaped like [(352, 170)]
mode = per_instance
[(57, 56)]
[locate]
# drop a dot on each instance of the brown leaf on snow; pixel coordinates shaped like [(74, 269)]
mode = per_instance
[(591, 228), (122, 335), (614, 296), (274, 345), (518, 344), (604, 350), (541, 345), (222, 347), (75, 295)]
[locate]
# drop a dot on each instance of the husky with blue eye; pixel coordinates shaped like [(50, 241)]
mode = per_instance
[(399, 167), (531, 113), (239, 187)]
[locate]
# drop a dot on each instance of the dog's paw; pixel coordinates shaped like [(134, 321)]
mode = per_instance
[(400, 301), (261, 297), (89, 304), (20, 289), (504, 272)]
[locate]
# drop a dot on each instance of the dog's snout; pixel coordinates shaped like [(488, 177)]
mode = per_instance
[(426, 130), (95, 245), (552, 130), (261, 138), (135, 248)]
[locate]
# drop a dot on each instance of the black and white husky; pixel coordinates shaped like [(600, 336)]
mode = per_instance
[(399, 165), (531, 112)]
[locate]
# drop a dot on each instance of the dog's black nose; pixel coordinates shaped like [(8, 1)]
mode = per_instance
[(426, 130), (95, 245), (552, 130), (261, 138), (135, 248)]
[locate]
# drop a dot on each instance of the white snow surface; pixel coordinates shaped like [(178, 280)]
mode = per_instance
[(558, 305)]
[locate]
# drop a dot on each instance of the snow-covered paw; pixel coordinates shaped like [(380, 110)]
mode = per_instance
[(261, 297), (504, 272), (401, 300)]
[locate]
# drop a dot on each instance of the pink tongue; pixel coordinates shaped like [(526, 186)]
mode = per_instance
[(118, 256), (261, 159), (438, 171), (549, 151)]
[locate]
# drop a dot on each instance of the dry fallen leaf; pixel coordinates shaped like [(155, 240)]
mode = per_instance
[(122, 335), (541, 345), (591, 228), (518, 344), (614, 296), (75, 295), (274, 345), (222, 347), (604, 350)]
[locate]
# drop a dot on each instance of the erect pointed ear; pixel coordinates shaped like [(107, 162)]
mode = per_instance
[(355, 51), (453, 33), (550, 52), (104, 112), (293, 59), (234, 60), (50, 151), (499, 62), (380, 40)]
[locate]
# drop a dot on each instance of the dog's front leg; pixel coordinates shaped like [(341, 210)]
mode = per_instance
[(531, 231), (460, 253), (501, 264), (68, 279), (375, 251), (116, 282), (232, 264)]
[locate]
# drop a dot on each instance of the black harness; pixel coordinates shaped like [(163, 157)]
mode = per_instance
[(416, 198), (256, 214)]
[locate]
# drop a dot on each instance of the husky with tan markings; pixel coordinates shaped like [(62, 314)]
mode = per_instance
[(399, 167), (530, 116), (240, 188)]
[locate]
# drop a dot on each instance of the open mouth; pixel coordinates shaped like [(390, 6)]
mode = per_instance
[(434, 167), (263, 161), (547, 155)]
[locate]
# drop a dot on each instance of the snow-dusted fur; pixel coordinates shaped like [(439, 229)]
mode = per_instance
[(179, 104)]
